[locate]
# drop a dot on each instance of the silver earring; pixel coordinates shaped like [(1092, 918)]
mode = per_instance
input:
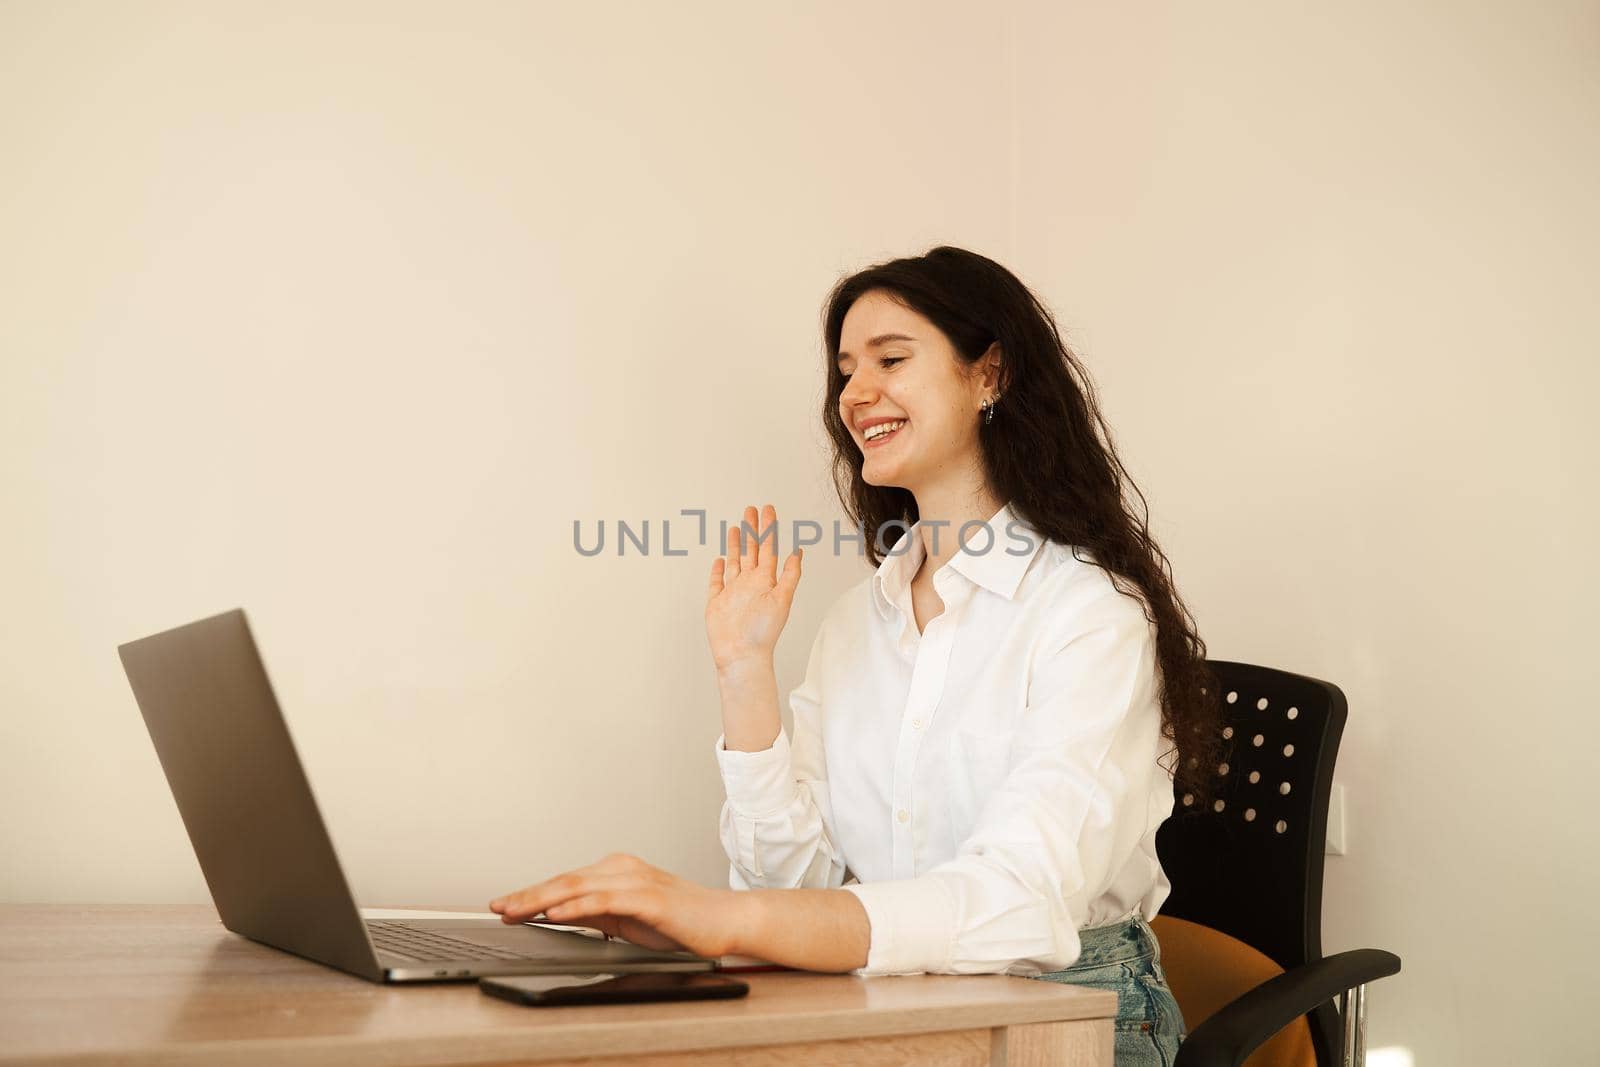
[(988, 409)]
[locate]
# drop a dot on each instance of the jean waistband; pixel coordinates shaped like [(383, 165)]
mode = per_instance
[(1118, 942)]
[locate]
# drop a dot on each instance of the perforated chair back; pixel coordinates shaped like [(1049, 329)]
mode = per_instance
[(1250, 863)]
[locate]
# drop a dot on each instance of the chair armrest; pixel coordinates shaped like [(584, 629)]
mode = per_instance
[(1243, 1024)]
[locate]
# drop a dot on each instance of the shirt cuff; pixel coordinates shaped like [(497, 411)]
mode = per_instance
[(912, 920), (758, 783)]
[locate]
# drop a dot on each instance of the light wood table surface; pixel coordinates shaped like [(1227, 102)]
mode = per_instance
[(136, 985)]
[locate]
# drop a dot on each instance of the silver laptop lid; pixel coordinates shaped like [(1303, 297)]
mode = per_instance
[(242, 793)]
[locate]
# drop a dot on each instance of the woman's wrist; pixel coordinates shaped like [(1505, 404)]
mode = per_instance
[(745, 668), (809, 929), (749, 690), (750, 923)]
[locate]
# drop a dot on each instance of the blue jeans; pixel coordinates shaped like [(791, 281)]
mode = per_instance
[(1126, 958)]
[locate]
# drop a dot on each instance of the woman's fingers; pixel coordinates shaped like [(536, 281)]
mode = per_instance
[(769, 533), (550, 897), (716, 579), (750, 557), (625, 895), (752, 544), (789, 580), (634, 901), (732, 550)]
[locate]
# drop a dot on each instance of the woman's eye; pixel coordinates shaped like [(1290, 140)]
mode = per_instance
[(886, 361)]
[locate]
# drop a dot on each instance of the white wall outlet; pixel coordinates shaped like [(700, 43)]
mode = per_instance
[(1336, 820)]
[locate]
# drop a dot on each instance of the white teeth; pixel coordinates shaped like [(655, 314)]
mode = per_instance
[(882, 428)]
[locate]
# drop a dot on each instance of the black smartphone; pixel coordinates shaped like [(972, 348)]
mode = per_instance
[(558, 990)]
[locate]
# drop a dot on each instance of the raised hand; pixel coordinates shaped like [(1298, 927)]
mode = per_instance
[(748, 601)]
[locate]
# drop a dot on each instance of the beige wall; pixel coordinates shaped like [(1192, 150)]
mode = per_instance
[(346, 318), (1336, 272)]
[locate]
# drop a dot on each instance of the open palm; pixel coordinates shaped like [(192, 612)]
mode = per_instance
[(748, 601)]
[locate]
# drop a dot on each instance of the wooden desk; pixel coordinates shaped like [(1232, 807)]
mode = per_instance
[(133, 986)]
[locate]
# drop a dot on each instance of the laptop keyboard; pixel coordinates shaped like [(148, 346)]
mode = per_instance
[(427, 946)]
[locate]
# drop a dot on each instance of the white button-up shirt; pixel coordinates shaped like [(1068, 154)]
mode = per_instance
[(992, 784)]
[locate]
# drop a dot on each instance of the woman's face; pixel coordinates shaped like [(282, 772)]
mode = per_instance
[(899, 368)]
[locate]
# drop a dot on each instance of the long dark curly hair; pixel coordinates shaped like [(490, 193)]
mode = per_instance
[(1048, 453)]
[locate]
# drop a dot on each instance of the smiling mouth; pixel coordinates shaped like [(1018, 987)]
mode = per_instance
[(876, 436)]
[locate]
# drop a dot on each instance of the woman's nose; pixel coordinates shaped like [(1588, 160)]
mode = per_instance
[(856, 389)]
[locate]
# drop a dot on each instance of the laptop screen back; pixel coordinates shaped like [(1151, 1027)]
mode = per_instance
[(242, 793)]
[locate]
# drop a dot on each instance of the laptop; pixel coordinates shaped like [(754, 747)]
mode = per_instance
[(265, 851)]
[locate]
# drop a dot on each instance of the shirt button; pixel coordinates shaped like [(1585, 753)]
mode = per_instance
[(916, 724), (902, 815)]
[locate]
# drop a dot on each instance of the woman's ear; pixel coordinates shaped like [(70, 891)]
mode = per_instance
[(991, 363)]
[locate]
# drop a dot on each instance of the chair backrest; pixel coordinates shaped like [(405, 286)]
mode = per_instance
[(1250, 863)]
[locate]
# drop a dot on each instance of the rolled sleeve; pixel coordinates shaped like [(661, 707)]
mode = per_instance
[(910, 922), (760, 783), (774, 825)]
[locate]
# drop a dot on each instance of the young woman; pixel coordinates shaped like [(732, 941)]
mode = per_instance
[(985, 739)]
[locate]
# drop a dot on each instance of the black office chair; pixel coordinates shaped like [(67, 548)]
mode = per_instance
[(1248, 868)]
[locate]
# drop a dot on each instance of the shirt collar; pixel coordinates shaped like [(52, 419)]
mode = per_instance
[(998, 569), (897, 570)]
